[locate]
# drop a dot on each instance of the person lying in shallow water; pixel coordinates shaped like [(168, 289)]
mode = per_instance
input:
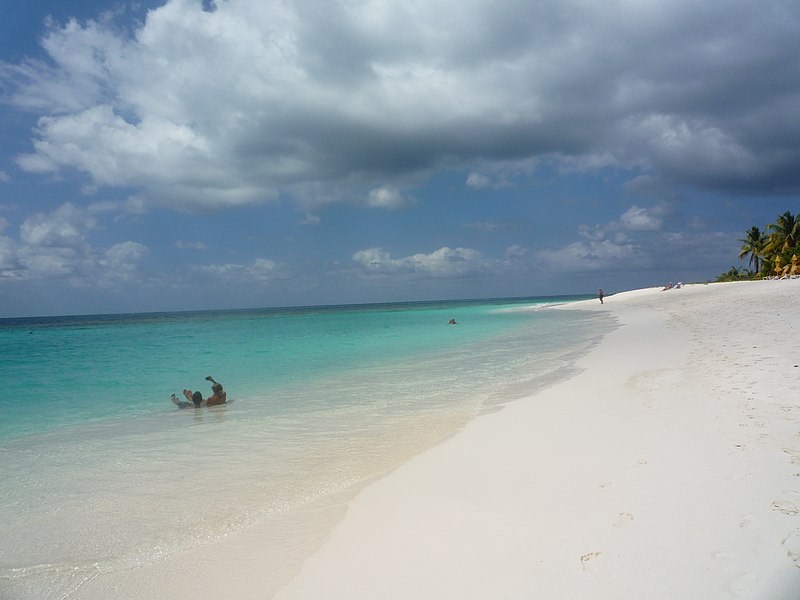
[(196, 398)]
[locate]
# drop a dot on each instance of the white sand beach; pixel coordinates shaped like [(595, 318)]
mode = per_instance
[(669, 468)]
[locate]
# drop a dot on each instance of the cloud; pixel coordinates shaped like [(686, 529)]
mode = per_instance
[(495, 226), (133, 205), (635, 219), (593, 255), (484, 226), (261, 270), (516, 251), (310, 219), (640, 219), (444, 262), (65, 227), (387, 197), (57, 245), (182, 245), (636, 242), (125, 253), (9, 264), (4, 177), (478, 181), (204, 109), (120, 263), (500, 173)]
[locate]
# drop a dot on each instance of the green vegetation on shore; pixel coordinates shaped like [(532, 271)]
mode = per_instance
[(772, 251)]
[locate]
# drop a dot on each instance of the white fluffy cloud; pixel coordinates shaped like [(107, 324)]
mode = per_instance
[(444, 262), (635, 219), (387, 197), (640, 219), (478, 181), (637, 242), (65, 227), (121, 261), (516, 251), (234, 105), (592, 255), (56, 245)]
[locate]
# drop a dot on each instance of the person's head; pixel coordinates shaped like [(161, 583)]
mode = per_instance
[(197, 398), (216, 388)]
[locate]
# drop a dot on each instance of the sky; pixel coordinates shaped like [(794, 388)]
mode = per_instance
[(207, 154)]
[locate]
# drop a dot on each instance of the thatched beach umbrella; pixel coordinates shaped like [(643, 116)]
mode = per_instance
[(794, 268)]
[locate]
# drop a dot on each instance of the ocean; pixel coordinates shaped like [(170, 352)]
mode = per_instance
[(102, 474)]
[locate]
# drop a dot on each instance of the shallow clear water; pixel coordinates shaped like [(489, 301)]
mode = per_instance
[(102, 472)]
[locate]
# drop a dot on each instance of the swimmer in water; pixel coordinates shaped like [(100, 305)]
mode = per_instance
[(219, 396), (196, 398)]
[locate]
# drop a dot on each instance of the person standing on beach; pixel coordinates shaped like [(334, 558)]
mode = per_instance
[(600, 294)]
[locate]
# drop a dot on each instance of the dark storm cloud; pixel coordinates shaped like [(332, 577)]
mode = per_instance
[(267, 97)]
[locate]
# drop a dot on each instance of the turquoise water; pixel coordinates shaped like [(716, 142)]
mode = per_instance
[(323, 399)]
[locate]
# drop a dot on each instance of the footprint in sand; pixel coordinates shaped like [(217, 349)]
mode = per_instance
[(792, 545), (587, 558), (786, 507), (793, 455), (624, 519), (749, 522)]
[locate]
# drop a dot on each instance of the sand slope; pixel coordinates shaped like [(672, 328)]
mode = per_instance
[(669, 468)]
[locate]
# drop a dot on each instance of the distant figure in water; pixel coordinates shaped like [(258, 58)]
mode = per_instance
[(600, 294), (196, 398), (452, 322)]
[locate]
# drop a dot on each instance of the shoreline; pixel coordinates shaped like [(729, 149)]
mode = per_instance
[(278, 500), (668, 467), (663, 463)]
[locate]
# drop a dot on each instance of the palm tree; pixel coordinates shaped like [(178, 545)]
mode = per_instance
[(753, 245), (777, 244), (784, 236)]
